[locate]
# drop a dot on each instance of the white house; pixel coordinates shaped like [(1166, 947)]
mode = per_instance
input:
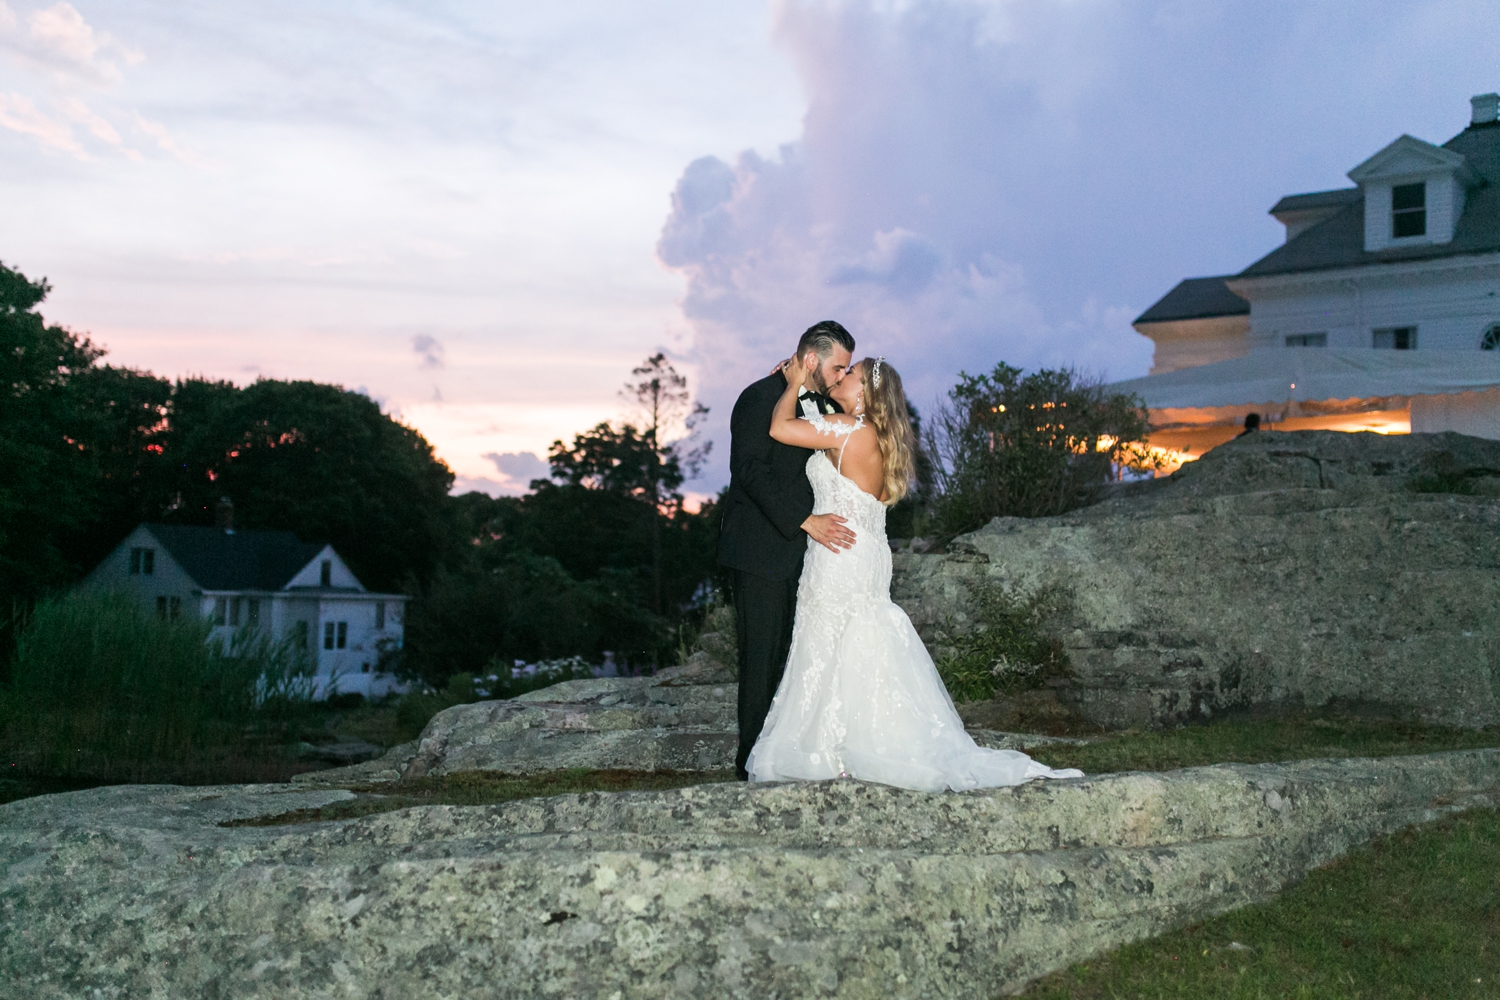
[(264, 580), (1381, 311)]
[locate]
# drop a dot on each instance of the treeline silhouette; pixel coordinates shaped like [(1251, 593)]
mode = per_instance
[(604, 558)]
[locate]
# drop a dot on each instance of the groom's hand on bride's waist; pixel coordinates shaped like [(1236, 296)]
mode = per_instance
[(828, 531)]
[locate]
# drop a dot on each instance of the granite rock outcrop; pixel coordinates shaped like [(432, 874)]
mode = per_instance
[(1280, 569), (837, 888)]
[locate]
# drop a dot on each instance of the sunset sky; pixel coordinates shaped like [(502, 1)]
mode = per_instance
[(483, 215)]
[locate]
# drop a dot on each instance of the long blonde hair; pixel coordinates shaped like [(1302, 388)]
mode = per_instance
[(885, 410)]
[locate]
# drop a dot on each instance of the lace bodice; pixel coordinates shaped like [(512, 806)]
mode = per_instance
[(835, 493)]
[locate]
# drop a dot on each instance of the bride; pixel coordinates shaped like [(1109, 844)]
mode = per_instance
[(861, 697)]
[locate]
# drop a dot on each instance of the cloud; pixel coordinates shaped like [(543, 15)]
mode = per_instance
[(19, 114), (428, 349), (58, 39), (899, 211), (164, 141), (517, 469)]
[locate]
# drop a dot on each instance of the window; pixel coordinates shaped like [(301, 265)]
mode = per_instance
[(335, 635), (300, 635), (364, 667), (1397, 338), (161, 608), (1491, 339), (234, 612), (380, 614), (325, 578), (220, 610), (1408, 210), (252, 612), (1307, 340), (142, 562)]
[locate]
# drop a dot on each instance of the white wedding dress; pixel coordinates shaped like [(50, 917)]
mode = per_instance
[(860, 696)]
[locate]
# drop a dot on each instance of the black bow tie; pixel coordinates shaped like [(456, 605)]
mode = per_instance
[(824, 404)]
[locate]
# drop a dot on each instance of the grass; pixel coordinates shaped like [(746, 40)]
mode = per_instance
[(482, 788), (1413, 915), (1300, 736)]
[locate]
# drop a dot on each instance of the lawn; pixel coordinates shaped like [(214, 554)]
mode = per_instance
[(1299, 736), (1413, 915)]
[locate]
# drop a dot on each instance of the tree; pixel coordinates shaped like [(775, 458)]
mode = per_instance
[(1004, 445), (48, 486), (318, 460), (641, 461)]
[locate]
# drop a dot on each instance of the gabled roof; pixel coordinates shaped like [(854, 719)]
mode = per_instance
[(1407, 155), (1196, 298), (243, 560), (1339, 241)]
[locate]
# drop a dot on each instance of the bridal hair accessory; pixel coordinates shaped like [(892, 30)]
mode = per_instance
[(875, 372)]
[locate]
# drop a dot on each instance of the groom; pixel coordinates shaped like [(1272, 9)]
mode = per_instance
[(768, 518)]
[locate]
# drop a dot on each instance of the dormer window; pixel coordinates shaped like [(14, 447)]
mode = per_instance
[(1408, 210)]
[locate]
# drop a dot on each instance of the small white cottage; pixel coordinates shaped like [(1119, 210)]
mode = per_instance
[(264, 580), (1380, 312)]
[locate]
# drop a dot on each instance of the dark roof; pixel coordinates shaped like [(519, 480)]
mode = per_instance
[(244, 560), (1315, 200), (1196, 298), (1339, 241)]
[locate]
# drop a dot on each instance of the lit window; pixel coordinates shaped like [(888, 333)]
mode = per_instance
[(326, 577), (343, 634), (1491, 339), (1409, 210), (1397, 338), (1307, 340), (142, 562), (220, 610), (380, 614), (328, 635)]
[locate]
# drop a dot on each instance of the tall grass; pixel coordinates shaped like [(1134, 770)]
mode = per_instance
[(100, 687)]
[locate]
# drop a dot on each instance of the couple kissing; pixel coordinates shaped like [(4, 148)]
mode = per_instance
[(834, 681)]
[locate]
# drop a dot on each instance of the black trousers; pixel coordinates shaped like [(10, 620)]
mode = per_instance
[(764, 612)]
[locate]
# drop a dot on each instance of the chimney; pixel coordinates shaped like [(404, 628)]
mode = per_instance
[(224, 515), (1486, 108)]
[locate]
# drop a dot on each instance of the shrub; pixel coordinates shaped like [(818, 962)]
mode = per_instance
[(525, 608), (100, 686), (1008, 446), (1006, 650)]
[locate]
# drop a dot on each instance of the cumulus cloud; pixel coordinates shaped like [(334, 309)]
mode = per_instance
[(903, 210), (517, 469), (428, 349)]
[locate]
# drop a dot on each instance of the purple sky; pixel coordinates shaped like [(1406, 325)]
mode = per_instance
[(484, 214)]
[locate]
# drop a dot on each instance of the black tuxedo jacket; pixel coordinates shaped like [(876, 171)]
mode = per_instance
[(769, 496)]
